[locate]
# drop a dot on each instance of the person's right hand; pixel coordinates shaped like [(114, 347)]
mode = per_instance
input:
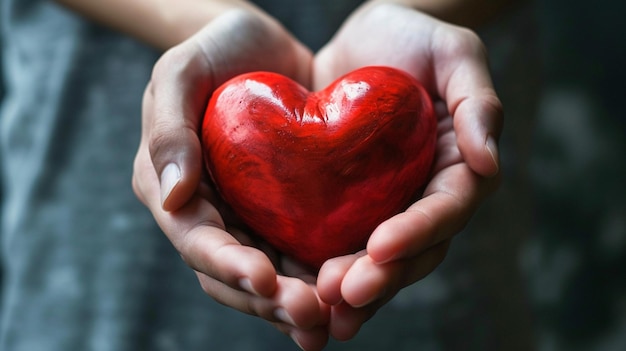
[(168, 176)]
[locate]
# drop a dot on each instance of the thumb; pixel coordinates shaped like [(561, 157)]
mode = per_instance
[(464, 81), (173, 107), (186, 75)]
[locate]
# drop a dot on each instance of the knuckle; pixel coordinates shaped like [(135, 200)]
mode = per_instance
[(158, 141), (463, 41), (171, 62)]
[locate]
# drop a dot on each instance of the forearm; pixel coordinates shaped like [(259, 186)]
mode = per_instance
[(160, 23), (469, 13)]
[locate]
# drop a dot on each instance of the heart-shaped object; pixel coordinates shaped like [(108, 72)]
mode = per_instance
[(314, 173)]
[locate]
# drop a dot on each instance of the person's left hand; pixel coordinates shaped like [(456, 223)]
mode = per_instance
[(451, 62)]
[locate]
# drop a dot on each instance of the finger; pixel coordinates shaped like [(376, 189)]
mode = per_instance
[(314, 338), (331, 275), (310, 339), (478, 123), (294, 303), (197, 232), (446, 151), (381, 282), (463, 80), (368, 281), (346, 321), (174, 102), (214, 252), (449, 201)]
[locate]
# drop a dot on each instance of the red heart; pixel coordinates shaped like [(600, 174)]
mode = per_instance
[(315, 173)]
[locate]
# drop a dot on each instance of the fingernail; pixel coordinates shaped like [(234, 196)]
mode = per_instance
[(246, 284), (371, 299), (282, 315), (492, 148), (170, 177), (295, 340)]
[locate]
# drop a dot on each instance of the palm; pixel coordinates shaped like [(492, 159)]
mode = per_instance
[(384, 35)]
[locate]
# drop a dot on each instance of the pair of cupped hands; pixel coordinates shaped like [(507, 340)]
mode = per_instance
[(238, 270)]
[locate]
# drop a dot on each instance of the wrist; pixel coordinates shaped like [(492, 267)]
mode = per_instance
[(161, 23), (468, 13), (179, 22)]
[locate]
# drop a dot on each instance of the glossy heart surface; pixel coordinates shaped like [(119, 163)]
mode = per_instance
[(314, 173)]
